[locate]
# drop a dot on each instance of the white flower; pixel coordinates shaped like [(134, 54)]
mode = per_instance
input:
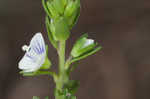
[(35, 54)]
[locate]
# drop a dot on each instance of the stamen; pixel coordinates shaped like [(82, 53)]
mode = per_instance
[(25, 48)]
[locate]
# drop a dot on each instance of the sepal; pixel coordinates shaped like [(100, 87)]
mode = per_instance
[(55, 8), (73, 19), (50, 35), (71, 8), (47, 64), (72, 12), (82, 45), (51, 8), (44, 3), (86, 54)]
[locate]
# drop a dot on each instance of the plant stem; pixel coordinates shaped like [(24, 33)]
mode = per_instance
[(61, 53), (62, 74)]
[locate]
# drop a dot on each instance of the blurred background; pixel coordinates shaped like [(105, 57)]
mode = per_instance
[(120, 71)]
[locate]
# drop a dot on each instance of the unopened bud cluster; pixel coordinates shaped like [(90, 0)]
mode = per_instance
[(61, 17)]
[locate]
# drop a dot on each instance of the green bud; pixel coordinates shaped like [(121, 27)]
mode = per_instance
[(72, 12), (71, 7), (55, 7), (83, 45), (51, 8), (59, 28), (73, 19)]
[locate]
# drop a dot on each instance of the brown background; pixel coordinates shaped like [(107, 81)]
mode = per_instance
[(120, 71)]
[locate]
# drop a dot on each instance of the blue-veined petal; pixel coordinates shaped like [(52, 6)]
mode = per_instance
[(35, 54)]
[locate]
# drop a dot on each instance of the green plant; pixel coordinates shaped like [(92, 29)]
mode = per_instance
[(61, 16)]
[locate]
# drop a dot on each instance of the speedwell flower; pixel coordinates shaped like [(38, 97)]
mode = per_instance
[(35, 54)]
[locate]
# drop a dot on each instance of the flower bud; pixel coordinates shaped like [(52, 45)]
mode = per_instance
[(72, 12), (83, 46), (53, 12), (55, 7), (71, 7)]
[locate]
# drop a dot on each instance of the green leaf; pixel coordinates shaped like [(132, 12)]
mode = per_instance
[(36, 97), (46, 8), (50, 36), (86, 54), (60, 29)]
